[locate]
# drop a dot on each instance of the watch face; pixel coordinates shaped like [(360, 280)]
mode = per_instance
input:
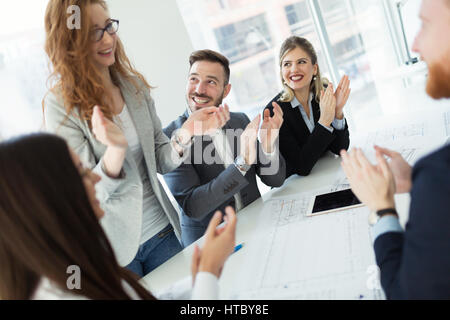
[(240, 162)]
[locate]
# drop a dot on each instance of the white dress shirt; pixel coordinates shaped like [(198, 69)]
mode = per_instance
[(206, 287)]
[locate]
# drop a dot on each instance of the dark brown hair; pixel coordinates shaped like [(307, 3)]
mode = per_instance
[(211, 56), (48, 224), (316, 85)]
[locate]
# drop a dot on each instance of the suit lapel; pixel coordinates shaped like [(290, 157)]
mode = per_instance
[(142, 123), (295, 119)]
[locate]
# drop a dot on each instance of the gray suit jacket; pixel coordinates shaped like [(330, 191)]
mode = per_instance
[(121, 198), (201, 188)]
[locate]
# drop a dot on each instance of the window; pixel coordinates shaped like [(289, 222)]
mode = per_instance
[(23, 67), (235, 39), (350, 37)]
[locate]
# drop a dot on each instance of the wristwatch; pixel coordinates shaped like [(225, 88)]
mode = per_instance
[(240, 164), (375, 216)]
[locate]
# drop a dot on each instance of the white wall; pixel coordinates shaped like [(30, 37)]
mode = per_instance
[(157, 43)]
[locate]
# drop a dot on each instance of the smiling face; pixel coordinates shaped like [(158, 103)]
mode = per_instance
[(206, 85), (434, 47), (103, 51), (297, 69)]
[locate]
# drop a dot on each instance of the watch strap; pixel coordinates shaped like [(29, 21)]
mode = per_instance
[(382, 212)]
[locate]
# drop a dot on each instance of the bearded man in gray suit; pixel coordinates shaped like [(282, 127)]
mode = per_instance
[(222, 167)]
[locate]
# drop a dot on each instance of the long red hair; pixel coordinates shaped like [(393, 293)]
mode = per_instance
[(74, 75)]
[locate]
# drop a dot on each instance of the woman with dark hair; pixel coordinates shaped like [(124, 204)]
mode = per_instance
[(49, 222), (314, 119), (102, 106)]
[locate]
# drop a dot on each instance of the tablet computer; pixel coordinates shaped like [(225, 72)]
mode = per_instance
[(332, 201)]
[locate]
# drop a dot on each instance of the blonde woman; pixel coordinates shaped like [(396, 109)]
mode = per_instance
[(313, 113), (102, 106)]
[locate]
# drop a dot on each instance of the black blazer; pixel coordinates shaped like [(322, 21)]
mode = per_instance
[(300, 148), (416, 264)]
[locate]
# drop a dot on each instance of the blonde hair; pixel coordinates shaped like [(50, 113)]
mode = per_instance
[(317, 83)]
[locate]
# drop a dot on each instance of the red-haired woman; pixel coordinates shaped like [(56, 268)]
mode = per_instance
[(102, 106)]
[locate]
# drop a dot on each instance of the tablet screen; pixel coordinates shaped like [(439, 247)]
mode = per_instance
[(334, 200)]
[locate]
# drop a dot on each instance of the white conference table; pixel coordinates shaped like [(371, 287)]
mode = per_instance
[(179, 266)]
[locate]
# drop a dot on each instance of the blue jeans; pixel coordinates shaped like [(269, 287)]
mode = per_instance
[(155, 251)]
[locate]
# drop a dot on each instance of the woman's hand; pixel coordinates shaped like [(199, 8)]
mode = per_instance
[(218, 245), (248, 140), (109, 134), (270, 127), (373, 184), (106, 131), (327, 106), (342, 93)]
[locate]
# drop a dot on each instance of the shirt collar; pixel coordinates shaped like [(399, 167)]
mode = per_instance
[(295, 103)]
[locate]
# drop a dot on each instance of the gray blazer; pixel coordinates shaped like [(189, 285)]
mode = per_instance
[(202, 188), (121, 198)]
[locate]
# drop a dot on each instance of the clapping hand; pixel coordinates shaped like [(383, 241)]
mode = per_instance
[(270, 127), (218, 245), (248, 140), (106, 131), (373, 184), (400, 169), (327, 106), (207, 120), (342, 93)]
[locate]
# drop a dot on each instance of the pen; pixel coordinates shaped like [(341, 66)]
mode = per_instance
[(238, 247)]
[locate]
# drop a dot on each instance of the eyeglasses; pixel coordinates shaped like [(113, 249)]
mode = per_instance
[(111, 28)]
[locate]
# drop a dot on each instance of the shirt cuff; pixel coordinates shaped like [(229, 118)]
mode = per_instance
[(328, 128), (271, 155), (206, 287), (240, 170), (185, 148), (338, 124), (180, 290), (384, 225)]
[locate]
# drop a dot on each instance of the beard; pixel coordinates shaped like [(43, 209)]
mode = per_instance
[(213, 103), (438, 83)]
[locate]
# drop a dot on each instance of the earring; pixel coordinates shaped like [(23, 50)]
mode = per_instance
[(314, 78)]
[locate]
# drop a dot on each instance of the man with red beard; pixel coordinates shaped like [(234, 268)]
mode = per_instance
[(415, 263)]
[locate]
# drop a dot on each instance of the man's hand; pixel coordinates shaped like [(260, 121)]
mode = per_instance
[(248, 141), (270, 128), (205, 122), (400, 169), (373, 184)]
